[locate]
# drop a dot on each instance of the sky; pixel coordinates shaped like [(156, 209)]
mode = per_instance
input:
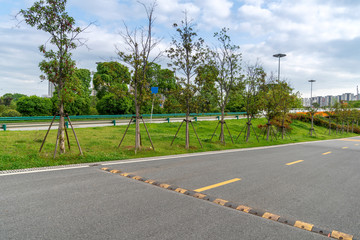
[(321, 38)]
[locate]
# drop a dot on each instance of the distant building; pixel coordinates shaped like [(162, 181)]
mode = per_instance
[(329, 100), (51, 89)]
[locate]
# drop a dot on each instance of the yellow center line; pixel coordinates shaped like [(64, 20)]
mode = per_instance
[(326, 153), (291, 163), (217, 185), (345, 147)]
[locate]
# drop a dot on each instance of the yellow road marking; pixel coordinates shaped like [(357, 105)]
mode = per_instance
[(357, 144), (345, 147), (326, 153), (291, 163), (217, 185), (350, 140)]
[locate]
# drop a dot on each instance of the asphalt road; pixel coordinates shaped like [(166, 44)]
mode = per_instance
[(89, 203)]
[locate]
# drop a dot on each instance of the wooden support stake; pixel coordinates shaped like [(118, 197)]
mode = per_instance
[(125, 132), (177, 132), (196, 134), (148, 133), (47, 132), (77, 141)]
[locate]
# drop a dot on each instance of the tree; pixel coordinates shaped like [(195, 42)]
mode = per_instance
[(227, 61), (207, 97), (186, 54), (312, 111), (80, 103), (254, 79), (271, 95), (111, 77), (58, 67), (140, 43), (34, 106), (288, 100)]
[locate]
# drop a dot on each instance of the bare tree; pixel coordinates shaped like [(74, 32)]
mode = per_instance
[(187, 54), (139, 44), (227, 60)]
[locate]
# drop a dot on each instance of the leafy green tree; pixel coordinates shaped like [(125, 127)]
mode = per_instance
[(207, 98), (271, 95), (111, 77), (164, 79), (34, 106), (80, 103), (254, 79), (58, 67), (186, 53), (9, 98), (312, 111), (288, 101), (112, 104), (236, 99)]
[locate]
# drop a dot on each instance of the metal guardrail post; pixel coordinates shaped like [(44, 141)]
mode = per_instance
[(195, 118), (237, 117), (168, 120), (4, 127), (114, 122)]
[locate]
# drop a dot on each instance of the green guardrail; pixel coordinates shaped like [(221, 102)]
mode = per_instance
[(6, 119)]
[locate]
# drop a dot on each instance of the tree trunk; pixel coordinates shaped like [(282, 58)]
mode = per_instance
[(268, 125), (137, 128), (62, 128), (248, 129), (283, 128), (187, 140), (222, 137), (312, 124)]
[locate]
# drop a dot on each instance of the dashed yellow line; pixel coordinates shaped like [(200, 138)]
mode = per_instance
[(345, 147), (217, 185), (326, 153), (291, 163)]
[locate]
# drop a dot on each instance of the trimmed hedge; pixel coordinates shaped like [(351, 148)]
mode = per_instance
[(319, 121)]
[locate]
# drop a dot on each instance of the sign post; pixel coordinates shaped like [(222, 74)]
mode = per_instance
[(154, 90)]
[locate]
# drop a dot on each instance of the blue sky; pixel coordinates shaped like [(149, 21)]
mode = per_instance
[(320, 37)]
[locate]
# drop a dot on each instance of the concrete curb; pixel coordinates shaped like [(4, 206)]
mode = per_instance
[(257, 212)]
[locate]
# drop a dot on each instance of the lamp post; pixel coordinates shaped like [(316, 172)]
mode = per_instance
[(312, 111), (279, 55), (311, 82)]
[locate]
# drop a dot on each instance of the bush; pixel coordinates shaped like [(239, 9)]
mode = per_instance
[(10, 113), (113, 105), (34, 106), (318, 121)]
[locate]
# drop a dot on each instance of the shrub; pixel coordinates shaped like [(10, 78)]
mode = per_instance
[(10, 113), (34, 106)]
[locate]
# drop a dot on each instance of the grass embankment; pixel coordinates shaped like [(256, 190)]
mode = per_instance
[(20, 149)]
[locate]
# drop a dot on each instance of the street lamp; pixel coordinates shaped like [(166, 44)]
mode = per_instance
[(279, 55), (311, 82)]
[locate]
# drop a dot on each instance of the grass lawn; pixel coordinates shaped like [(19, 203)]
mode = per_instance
[(20, 149)]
